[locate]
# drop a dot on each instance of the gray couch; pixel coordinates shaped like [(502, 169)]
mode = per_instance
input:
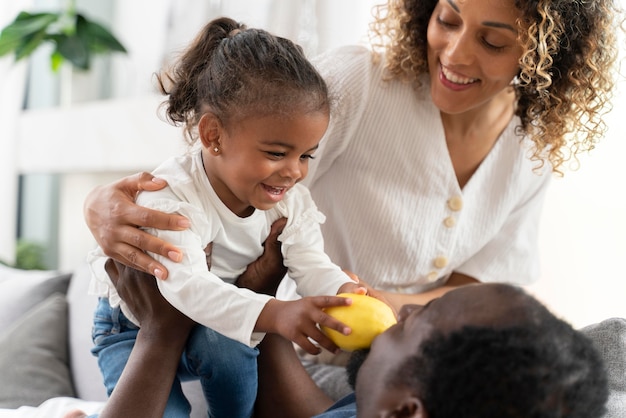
[(45, 321), (45, 340)]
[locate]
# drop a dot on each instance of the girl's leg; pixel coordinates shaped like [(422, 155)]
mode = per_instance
[(114, 338), (227, 371)]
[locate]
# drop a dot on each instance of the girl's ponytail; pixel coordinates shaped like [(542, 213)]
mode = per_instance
[(184, 106), (235, 72)]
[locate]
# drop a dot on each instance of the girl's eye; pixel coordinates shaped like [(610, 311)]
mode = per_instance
[(307, 157), (275, 154)]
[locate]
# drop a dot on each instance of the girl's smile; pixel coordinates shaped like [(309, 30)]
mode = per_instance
[(253, 163)]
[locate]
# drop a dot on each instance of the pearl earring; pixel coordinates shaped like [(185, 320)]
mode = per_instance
[(216, 149)]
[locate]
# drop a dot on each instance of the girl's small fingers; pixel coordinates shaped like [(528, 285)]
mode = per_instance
[(307, 345), (328, 321), (323, 340), (361, 290), (328, 301)]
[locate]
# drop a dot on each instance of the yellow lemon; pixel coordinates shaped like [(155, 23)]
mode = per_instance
[(367, 317)]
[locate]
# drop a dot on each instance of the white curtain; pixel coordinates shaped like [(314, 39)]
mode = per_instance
[(155, 30)]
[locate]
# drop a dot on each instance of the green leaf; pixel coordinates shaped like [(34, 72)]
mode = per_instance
[(21, 30), (26, 23), (28, 44), (74, 43), (75, 50), (56, 60), (8, 44), (100, 39)]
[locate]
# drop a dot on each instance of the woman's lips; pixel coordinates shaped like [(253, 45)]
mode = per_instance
[(455, 81)]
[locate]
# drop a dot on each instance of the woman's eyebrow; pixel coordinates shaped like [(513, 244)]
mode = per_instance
[(500, 25), (486, 23), (454, 6)]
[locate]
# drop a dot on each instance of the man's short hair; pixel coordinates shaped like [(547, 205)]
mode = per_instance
[(544, 370)]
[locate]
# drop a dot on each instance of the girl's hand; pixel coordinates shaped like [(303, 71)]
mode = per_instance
[(297, 321), (353, 288), (113, 217), (365, 289)]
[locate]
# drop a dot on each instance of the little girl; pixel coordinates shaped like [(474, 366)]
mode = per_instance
[(259, 110)]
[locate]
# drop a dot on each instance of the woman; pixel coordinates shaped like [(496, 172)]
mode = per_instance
[(435, 165)]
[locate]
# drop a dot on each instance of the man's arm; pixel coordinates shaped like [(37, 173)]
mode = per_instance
[(145, 384), (285, 387)]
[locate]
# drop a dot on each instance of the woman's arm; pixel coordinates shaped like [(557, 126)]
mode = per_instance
[(113, 219), (397, 300)]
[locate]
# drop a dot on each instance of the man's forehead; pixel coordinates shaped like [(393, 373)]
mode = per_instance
[(483, 304)]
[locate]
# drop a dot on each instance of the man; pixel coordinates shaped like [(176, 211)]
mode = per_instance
[(483, 350)]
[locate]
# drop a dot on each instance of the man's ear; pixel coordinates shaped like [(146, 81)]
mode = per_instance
[(210, 130), (410, 407)]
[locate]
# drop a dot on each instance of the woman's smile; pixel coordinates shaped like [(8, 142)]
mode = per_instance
[(455, 81)]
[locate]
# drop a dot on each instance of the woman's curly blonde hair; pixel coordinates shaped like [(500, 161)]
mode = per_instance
[(566, 71)]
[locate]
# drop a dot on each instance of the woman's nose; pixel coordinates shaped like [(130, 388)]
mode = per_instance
[(459, 49)]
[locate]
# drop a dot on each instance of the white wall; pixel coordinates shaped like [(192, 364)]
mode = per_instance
[(583, 231)]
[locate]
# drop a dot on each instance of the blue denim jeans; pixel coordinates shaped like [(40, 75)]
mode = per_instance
[(227, 369)]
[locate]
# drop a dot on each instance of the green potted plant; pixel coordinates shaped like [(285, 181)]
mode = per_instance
[(75, 37)]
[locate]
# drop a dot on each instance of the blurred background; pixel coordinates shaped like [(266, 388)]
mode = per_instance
[(64, 132)]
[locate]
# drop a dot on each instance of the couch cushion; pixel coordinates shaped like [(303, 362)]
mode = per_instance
[(609, 336), (34, 357), (85, 372), (20, 290)]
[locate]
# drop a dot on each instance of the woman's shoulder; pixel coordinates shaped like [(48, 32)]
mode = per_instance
[(345, 61), (344, 53)]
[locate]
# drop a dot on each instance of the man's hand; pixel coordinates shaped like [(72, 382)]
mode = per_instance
[(113, 219), (140, 292), (146, 382), (265, 273)]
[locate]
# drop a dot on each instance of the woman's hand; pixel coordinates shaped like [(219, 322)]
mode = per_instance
[(297, 321), (398, 300), (265, 273), (113, 218)]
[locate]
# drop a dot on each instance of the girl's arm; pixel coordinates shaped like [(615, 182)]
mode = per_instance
[(297, 320), (113, 217)]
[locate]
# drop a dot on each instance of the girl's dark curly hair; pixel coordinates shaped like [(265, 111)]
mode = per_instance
[(235, 72), (566, 71)]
